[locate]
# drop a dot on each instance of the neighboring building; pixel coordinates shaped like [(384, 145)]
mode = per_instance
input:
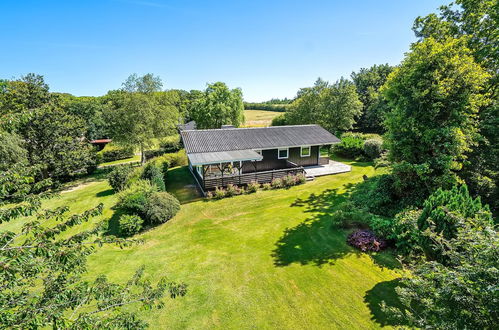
[(218, 157), (190, 125), (101, 143)]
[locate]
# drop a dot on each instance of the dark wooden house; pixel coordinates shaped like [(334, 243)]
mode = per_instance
[(238, 156)]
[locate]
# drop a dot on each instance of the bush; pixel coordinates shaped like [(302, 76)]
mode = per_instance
[(118, 177), (231, 190), (134, 198), (300, 178), (403, 230), (160, 207), (153, 173), (349, 215), (372, 148), (279, 120), (288, 181), (382, 161), (253, 187), (165, 165), (174, 159), (210, 195), (365, 240), (276, 183), (171, 145), (266, 186), (111, 153), (219, 193), (130, 225), (352, 145)]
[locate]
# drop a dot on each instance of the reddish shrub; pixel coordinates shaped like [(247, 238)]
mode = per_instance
[(365, 240)]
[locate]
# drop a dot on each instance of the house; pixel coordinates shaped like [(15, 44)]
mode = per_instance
[(100, 143), (218, 157)]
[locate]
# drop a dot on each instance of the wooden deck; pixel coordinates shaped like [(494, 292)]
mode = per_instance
[(261, 177)]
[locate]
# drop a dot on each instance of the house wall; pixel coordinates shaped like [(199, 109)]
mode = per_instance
[(294, 156), (271, 161)]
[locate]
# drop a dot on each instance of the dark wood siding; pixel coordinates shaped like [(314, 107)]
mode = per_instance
[(294, 156)]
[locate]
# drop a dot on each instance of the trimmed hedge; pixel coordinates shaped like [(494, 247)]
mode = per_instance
[(111, 153)]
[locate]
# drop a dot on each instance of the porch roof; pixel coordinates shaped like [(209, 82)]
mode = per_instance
[(204, 158)]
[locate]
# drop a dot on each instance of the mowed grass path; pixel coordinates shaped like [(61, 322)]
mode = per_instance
[(259, 118), (266, 260)]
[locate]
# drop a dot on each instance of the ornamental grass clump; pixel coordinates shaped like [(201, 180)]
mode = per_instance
[(366, 240)]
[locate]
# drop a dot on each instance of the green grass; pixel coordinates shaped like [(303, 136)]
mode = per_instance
[(265, 260), (259, 118)]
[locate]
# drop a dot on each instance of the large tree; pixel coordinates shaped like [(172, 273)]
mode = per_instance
[(218, 105), (334, 107), (435, 96), (368, 82), (94, 112), (139, 116), (477, 20), (55, 144)]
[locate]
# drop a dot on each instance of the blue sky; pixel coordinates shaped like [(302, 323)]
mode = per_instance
[(268, 48)]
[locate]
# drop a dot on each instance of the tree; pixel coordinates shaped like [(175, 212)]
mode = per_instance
[(138, 117), (435, 96), (457, 287), (218, 106), (368, 82), (477, 21), (334, 107), (147, 83), (94, 112), (43, 268), (54, 142)]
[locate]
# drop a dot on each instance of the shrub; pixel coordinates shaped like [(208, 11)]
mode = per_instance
[(377, 195), (165, 165), (352, 145), (365, 240), (349, 215), (153, 173), (403, 229), (174, 159), (300, 178), (210, 194), (111, 153), (171, 145), (160, 207), (372, 148), (276, 183), (130, 225), (266, 186), (219, 193), (253, 187), (118, 177), (382, 161), (134, 198), (288, 181), (279, 120), (230, 190)]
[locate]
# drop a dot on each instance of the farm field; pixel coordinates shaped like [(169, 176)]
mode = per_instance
[(259, 118)]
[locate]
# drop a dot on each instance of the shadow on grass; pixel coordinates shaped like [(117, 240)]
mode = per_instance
[(385, 259), (182, 185), (105, 193), (313, 241), (113, 227), (384, 292)]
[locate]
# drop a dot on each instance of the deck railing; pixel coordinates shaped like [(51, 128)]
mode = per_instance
[(260, 177)]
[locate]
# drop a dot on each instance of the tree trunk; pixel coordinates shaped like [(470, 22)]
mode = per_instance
[(142, 156)]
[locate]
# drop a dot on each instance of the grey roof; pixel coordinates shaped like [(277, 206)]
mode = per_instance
[(223, 156), (216, 140), (190, 125)]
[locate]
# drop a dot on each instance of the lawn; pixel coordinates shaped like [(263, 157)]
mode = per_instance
[(259, 118), (266, 260)]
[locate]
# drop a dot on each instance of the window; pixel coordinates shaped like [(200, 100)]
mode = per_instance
[(282, 153), (305, 151)]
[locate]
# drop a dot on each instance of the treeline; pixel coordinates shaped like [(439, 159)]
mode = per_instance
[(279, 105), (44, 136)]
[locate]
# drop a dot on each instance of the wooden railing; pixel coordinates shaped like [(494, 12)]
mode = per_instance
[(260, 177)]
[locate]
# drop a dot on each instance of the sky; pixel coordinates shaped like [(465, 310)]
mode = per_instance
[(269, 49)]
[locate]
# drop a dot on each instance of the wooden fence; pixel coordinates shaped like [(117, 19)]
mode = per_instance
[(260, 177)]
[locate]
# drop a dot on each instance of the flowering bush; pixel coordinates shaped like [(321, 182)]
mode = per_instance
[(266, 186), (365, 240), (253, 186), (276, 183), (219, 193)]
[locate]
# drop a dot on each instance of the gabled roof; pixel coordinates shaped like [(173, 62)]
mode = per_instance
[(217, 140)]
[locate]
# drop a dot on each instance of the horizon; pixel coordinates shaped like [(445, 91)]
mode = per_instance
[(267, 50)]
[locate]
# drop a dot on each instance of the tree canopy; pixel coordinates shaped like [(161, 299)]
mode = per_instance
[(334, 107), (218, 105), (435, 96)]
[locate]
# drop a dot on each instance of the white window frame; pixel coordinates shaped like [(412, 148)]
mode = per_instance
[(199, 169), (279, 153), (309, 151)]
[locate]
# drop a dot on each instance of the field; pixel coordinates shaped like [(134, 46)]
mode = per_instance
[(259, 118), (266, 260)]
